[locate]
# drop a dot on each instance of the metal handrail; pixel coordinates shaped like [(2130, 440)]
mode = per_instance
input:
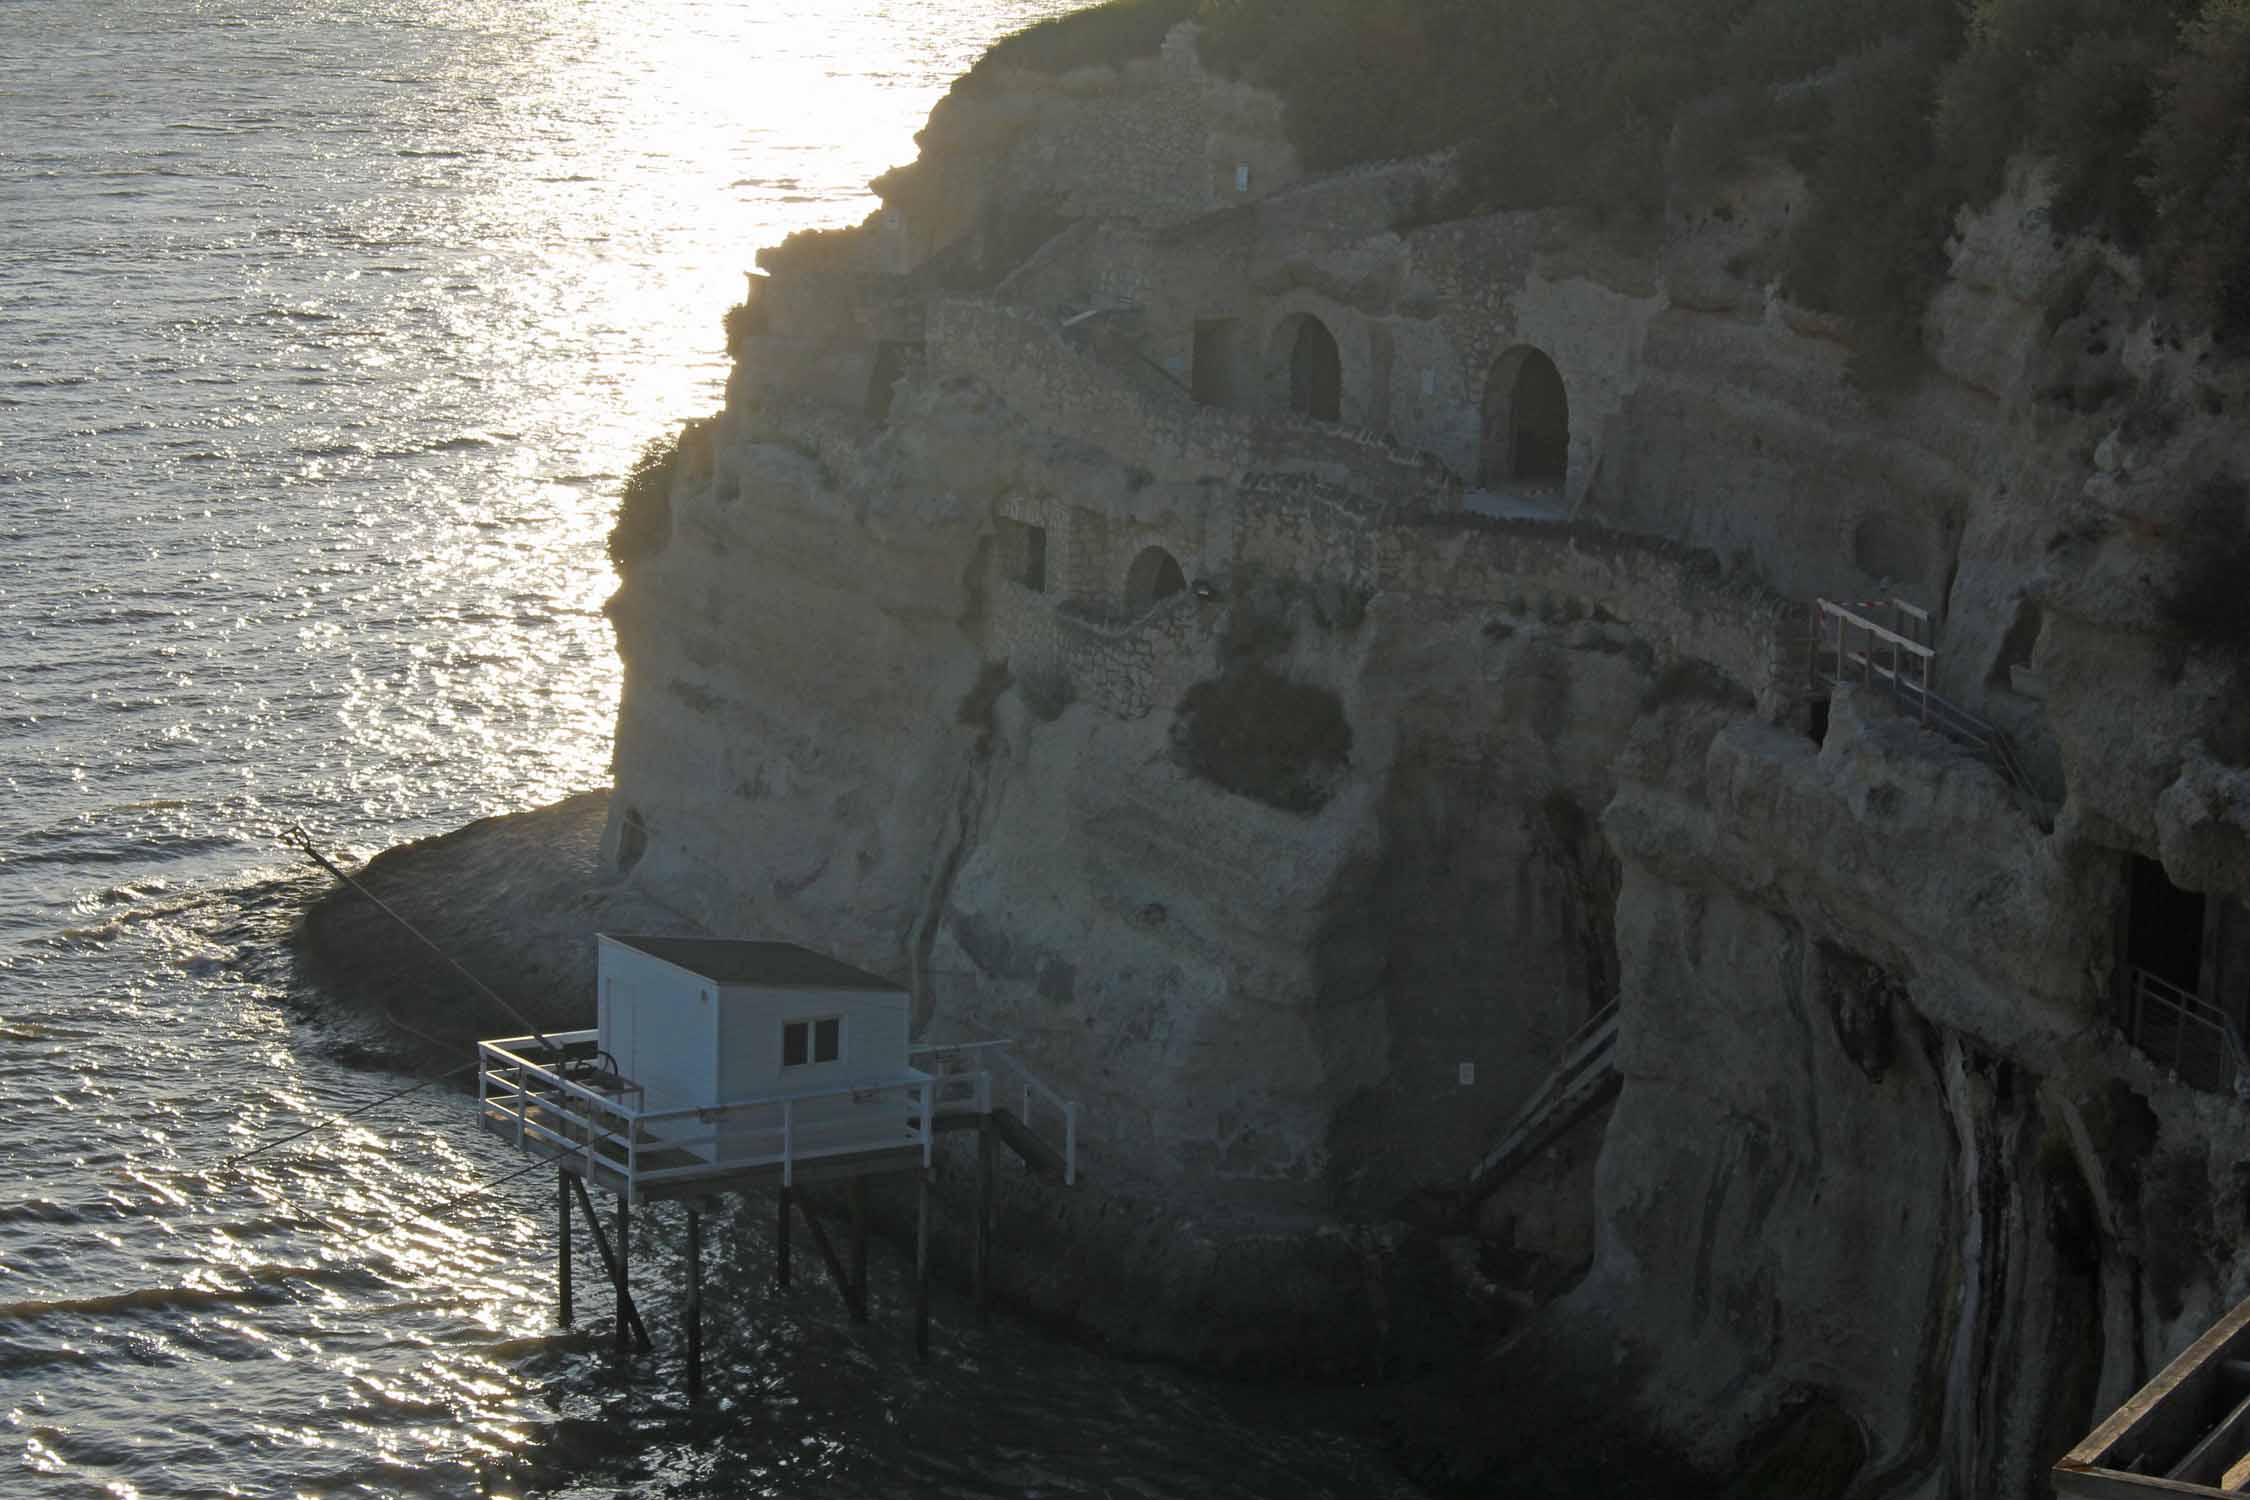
[(544, 1106), (1028, 1085), (2186, 1008)]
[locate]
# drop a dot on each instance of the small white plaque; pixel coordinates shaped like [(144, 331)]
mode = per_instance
[(1242, 177), (1468, 1074)]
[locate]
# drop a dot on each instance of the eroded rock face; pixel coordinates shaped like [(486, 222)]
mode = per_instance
[(1293, 791)]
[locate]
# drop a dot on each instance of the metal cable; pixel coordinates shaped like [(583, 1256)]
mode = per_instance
[(346, 1115), (302, 840)]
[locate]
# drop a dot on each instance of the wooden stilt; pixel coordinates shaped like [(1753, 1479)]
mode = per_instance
[(827, 1250), (694, 1305), (922, 1265), (624, 1269), (627, 1313), (781, 1241), (562, 1244), (984, 1220), (859, 1249)]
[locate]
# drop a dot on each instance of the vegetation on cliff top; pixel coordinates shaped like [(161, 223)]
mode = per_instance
[(1113, 32), (644, 509), (1898, 111)]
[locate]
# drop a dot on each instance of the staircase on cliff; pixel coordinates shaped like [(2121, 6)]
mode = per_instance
[(2187, 1432), (1585, 1077), (1886, 646)]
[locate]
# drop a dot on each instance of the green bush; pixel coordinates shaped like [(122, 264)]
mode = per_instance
[(1899, 111), (1116, 32), (2199, 165), (743, 321), (1263, 736), (644, 509)]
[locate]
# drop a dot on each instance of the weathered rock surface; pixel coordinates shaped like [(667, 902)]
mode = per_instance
[(1029, 641)]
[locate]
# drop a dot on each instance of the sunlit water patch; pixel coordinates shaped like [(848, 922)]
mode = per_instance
[(326, 330)]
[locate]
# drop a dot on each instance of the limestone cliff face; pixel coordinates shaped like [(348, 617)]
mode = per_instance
[(1196, 644)]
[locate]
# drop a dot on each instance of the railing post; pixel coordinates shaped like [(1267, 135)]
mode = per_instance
[(789, 1143), (1070, 1144), (927, 1135), (522, 1107)]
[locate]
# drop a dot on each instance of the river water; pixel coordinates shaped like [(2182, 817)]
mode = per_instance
[(326, 330)]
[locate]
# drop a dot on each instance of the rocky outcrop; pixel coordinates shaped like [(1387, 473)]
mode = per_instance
[(1032, 641)]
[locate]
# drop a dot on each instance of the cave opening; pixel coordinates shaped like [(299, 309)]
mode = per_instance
[(1155, 575), (2011, 669), (2164, 927), (891, 356), (1312, 368), (1526, 429)]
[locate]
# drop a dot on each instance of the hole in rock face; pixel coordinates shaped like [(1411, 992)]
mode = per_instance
[(1023, 553), (632, 840), (2164, 926), (1155, 575), (1816, 725), (1891, 548), (882, 381), (1310, 376), (1526, 427), (2016, 648)]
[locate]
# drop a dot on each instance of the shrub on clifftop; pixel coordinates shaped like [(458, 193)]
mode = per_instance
[(1116, 32), (644, 509), (1899, 112)]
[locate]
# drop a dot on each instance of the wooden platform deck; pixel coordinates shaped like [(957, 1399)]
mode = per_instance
[(554, 1099)]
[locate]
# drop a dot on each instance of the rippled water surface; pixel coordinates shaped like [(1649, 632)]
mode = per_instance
[(325, 332)]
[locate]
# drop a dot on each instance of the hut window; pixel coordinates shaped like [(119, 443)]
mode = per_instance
[(814, 1041)]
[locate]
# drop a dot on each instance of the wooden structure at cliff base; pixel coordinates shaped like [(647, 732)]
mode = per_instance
[(721, 1066)]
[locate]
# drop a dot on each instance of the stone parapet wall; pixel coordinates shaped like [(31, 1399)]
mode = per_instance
[(1026, 361)]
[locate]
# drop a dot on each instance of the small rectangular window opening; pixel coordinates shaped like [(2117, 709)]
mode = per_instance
[(816, 1041), (1023, 553)]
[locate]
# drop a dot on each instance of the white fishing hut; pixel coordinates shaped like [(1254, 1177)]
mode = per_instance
[(721, 1065), (707, 1023)]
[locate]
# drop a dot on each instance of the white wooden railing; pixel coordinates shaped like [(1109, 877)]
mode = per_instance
[(610, 1130), (976, 1073)]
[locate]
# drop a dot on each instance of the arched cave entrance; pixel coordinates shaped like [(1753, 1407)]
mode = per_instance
[(1308, 368), (1155, 575), (1526, 422)]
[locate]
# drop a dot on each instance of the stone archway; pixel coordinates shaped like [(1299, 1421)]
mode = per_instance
[(1526, 433), (1305, 368), (1154, 575)]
